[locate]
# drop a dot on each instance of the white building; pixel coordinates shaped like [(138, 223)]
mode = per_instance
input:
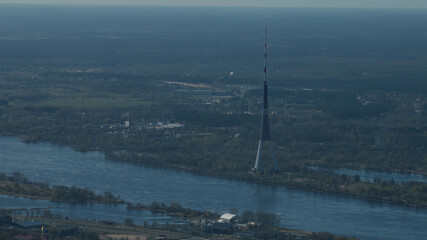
[(227, 218)]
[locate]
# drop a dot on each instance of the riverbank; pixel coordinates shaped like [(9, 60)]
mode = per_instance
[(408, 194), (18, 185), (81, 229), (113, 230), (298, 209), (178, 230), (29, 139)]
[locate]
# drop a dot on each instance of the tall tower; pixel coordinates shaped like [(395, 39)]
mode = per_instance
[(265, 128)]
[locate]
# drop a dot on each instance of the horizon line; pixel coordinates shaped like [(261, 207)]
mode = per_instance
[(208, 6)]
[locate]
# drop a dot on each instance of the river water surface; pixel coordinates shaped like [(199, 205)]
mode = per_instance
[(298, 209)]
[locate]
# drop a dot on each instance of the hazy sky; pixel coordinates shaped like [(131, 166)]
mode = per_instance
[(252, 3)]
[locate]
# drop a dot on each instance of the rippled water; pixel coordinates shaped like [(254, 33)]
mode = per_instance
[(298, 209)]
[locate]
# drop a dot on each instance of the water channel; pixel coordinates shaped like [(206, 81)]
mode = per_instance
[(369, 176), (298, 209), (90, 211)]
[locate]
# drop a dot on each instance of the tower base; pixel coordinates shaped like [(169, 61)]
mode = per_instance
[(258, 156), (262, 171)]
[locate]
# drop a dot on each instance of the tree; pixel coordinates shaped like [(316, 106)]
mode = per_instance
[(3, 176), (108, 195), (17, 176), (91, 236), (155, 224), (248, 216), (357, 178), (233, 211), (269, 219), (128, 222)]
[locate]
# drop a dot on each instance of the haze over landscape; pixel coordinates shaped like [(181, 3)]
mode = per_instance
[(144, 118), (244, 3)]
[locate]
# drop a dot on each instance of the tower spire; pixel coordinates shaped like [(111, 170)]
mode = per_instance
[(265, 56), (265, 127)]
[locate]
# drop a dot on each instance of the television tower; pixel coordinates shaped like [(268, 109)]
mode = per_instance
[(265, 128)]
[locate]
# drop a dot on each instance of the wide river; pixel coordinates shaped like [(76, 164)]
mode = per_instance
[(298, 209)]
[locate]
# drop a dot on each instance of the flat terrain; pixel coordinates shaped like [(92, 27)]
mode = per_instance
[(342, 95)]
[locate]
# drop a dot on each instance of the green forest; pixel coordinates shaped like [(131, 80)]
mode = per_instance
[(217, 133)]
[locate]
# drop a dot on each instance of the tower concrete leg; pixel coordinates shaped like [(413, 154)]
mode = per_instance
[(273, 155), (258, 156)]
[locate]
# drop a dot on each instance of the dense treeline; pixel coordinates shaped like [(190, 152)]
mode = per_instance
[(326, 236), (173, 209), (379, 131), (19, 185), (216, 143), (212, 119)]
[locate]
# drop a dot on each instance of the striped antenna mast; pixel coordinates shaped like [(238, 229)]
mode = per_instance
[(265, 56), (265, 126)]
